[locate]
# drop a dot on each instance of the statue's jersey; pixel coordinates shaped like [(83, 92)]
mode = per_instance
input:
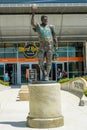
[(44, 32)]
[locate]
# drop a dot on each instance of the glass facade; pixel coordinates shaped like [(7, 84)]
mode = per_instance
[(70, 58), (1, 72), (71, 55), (8, 50), (75, 69), (72, 49)]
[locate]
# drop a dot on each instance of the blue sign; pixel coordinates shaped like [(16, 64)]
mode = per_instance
[(41, 1), (30, 50)]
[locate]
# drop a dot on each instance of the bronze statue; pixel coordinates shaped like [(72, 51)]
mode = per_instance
[(47, 37)]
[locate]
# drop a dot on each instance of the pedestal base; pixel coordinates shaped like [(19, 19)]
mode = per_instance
[(45, 105), (45, 123)]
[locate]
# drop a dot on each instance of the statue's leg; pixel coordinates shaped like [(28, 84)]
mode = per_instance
[(41, 60), (49, 55)]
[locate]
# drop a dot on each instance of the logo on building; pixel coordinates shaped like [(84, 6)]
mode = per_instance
[(30, 50)]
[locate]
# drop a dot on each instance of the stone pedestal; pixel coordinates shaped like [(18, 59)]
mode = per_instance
[(24, 93), (45, 105)]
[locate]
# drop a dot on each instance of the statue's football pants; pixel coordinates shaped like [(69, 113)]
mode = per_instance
[(45, 51)]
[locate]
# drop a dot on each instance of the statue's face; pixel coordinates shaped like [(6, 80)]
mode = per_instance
[(45, 20)]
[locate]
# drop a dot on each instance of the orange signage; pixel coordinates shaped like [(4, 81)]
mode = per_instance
[(36, 59)]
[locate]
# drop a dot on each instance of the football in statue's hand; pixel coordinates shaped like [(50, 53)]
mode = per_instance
[(34, 7)]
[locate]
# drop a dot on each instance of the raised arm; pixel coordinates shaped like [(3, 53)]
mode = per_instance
[(32, 20)]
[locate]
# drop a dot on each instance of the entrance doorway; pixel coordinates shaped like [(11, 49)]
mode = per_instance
[(24, 66), (23, 72), (2, 72), (12, 72), (55, 66), (37, 68), (61, 66)]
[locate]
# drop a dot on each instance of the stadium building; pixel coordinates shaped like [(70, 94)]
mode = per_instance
[(19, 43)]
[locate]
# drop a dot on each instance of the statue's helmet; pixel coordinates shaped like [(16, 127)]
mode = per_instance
[(43, 17)]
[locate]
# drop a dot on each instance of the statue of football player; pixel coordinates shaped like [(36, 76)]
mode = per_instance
[(47, 38)]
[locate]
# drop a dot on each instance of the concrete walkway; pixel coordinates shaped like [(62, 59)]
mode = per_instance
[(13, 112)]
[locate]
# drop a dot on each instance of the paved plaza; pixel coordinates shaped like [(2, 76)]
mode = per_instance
[(13, 112)]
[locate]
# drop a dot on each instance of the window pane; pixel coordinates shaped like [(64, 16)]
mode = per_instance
[(11, 55), (8, 50), (23, 72)]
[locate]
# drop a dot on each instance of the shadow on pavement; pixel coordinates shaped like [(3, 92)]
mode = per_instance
[(15, 123)]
